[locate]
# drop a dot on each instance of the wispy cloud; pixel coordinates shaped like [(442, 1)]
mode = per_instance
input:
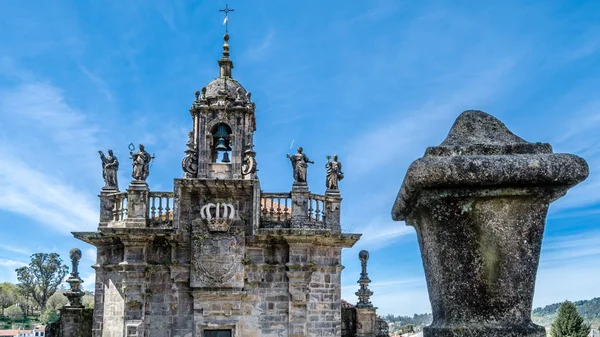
[(261, 49), (13, 249), (381, 232), (11, 263), (102, 86), (34, 181), (408, 135)]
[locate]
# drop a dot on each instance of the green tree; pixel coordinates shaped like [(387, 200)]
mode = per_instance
[(50, 315), (42, 277), (8, 295), (14, 313), (569, 323)]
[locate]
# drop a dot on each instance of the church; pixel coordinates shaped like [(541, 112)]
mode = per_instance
[(217, 256)]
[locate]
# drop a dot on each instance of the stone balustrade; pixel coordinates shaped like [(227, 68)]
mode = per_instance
[(314, 211), (116, 207)]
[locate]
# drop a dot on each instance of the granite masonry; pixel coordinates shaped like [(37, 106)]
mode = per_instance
[(218, 256), (478, 203)]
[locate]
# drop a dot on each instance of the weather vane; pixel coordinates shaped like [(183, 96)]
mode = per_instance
[(226, 10)]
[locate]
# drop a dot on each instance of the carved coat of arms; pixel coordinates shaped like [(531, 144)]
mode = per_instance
[(217, 248), (218, 258)]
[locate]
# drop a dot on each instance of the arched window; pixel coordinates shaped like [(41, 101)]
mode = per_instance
[(221, 143)]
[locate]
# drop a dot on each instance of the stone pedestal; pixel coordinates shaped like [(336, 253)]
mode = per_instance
[(107, 205), (478, 203), (332, 210), (75, 322), (300, 195), (367, 317), (137, 204)]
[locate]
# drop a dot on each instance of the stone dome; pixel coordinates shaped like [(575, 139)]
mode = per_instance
[(226, 84)]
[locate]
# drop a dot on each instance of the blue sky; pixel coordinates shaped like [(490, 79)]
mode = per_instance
[(374, 81)]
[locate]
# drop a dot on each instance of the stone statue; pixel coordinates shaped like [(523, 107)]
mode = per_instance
[(299, 164), (141, 164), (190, 162), (110, 166), (334, 173)]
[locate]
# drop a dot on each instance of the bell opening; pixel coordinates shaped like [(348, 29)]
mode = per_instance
[(221, 143)]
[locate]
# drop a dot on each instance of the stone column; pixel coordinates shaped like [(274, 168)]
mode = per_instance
[(300, 195), (478, 203), (137, 204)]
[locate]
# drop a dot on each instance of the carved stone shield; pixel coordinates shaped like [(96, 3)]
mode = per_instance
[(217, 260)]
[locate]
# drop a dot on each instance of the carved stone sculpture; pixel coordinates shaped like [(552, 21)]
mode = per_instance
[(478, 202), (249, 164), (141, 163), (189, 164), (110, 166), (334, 173), (300, 164)]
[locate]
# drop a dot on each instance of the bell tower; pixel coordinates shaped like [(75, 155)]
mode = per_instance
[(221, 142)]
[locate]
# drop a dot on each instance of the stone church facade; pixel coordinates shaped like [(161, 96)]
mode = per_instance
[(218, 256)]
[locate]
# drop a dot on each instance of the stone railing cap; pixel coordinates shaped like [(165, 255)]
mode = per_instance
[(480, 151)]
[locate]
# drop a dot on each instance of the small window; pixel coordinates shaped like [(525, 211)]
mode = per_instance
[(217, 333)]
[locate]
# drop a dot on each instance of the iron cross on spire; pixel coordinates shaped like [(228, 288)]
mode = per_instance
[(226, 10)]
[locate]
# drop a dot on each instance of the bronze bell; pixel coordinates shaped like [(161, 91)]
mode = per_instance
[(226, 158), (221, 145)]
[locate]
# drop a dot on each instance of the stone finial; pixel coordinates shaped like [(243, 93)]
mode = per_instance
[(478, 202), (364, 293), (75, 256), (75, 294)]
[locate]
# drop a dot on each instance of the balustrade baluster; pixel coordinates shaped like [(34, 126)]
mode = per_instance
[(152, 208), (115, 211), (124, 202), (288, 211), (310, 209), (272, 209), (160, 208), (167, 209), (263, 207), (318, 211), (278, 209)]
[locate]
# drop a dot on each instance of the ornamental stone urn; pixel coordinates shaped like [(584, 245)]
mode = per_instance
[(478, 203)]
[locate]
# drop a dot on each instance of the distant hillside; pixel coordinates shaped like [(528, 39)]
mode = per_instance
[(588, 309)]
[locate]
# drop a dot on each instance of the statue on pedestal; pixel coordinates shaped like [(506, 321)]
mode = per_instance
[(334, 173), (141, 163), (299, 164), (110, 166)]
